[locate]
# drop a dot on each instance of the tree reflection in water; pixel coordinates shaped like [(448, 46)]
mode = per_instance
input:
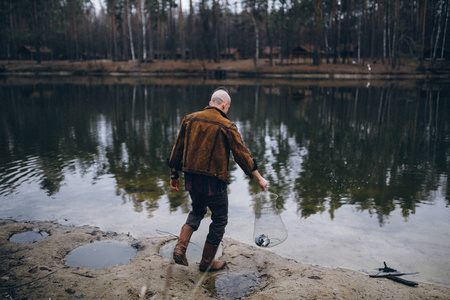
[(321, 144)]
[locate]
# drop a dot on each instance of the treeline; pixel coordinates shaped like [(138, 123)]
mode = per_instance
[(334, 31)]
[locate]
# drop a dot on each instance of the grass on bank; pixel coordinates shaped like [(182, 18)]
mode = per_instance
[(240, 66)]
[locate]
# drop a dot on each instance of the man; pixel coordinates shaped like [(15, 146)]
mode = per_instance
[(202, 152)]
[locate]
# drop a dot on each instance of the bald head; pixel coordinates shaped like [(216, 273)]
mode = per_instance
[(220, 96), (221, 100)]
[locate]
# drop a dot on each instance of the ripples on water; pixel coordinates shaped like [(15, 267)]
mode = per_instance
[(29, 171)]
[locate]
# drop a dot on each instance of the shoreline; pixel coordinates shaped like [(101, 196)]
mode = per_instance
[(236, 75), (38, 270), (229, 69)]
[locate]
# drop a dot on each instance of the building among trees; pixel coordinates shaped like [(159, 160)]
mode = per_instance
[(272, 52), (231, 53), (30, 53)]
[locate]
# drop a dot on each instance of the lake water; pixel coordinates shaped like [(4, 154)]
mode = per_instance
[(361, 168)]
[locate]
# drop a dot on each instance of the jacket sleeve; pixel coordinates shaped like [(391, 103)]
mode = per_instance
[(176, 157), (240, 153)]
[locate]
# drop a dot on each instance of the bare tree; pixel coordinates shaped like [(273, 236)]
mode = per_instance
[(318, 31), (130, 31), (438, 24), (144, 28), (445, 30), (112, 12), (252, 13), (181, 26)]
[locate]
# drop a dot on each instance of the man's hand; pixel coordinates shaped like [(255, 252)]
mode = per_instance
[(261, 181), (175, 184)]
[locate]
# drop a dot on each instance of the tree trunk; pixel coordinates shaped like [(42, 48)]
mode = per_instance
[(150, 36), (394, 35), (144, 33), (384, 34), (346, 36), (215, 22), (90, 51), (191, 30), (114, 28), (372, 46), (255, 25), (317, 33), (75, 34), (431, 39), (445, 30), (130, 31), (358, 59), (37, 33), (339, 31), (417, 19), (11, 27), (364, 30), (124, 32), (269, 36), (336, 39), (438, 32), (226, 28), (181, 24), (327, 46), (423, 27), (161, 37), (283, 37)]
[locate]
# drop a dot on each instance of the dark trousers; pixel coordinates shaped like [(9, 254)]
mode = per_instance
[(218, 205)]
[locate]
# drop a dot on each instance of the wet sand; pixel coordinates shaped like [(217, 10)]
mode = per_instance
[(38, 271)]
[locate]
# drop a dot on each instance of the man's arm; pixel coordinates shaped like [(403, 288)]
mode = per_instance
[(176, 156), (174, 161)]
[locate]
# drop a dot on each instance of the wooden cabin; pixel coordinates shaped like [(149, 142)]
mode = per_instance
[(30, 53), (230, 53)]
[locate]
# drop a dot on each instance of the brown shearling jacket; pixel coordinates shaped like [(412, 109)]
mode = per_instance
[(204, 143)]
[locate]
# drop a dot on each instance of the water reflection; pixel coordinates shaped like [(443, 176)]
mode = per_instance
[(378, 149), (373, 148)]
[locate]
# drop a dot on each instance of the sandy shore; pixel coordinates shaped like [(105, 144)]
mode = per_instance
[(38, 271)]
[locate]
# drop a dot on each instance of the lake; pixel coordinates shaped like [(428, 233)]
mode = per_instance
[(361, 168)]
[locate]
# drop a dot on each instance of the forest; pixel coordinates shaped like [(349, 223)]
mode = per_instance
[(325, 31)]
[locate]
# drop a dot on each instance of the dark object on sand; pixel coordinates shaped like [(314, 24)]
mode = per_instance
[(401, 280), (394, 275), (386, 269)]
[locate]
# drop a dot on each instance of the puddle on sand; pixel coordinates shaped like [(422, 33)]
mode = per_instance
[(28, 237), (231, 285), (101, 255)]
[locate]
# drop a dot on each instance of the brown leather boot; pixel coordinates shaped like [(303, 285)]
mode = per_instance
[(179, 253), (208, 263)]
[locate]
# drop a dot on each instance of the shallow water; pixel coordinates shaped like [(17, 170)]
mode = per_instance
[(361, 169), (101, 255), (231, 285), (28, 237)]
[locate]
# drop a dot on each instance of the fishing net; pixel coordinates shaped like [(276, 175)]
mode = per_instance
[(269, 229)]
